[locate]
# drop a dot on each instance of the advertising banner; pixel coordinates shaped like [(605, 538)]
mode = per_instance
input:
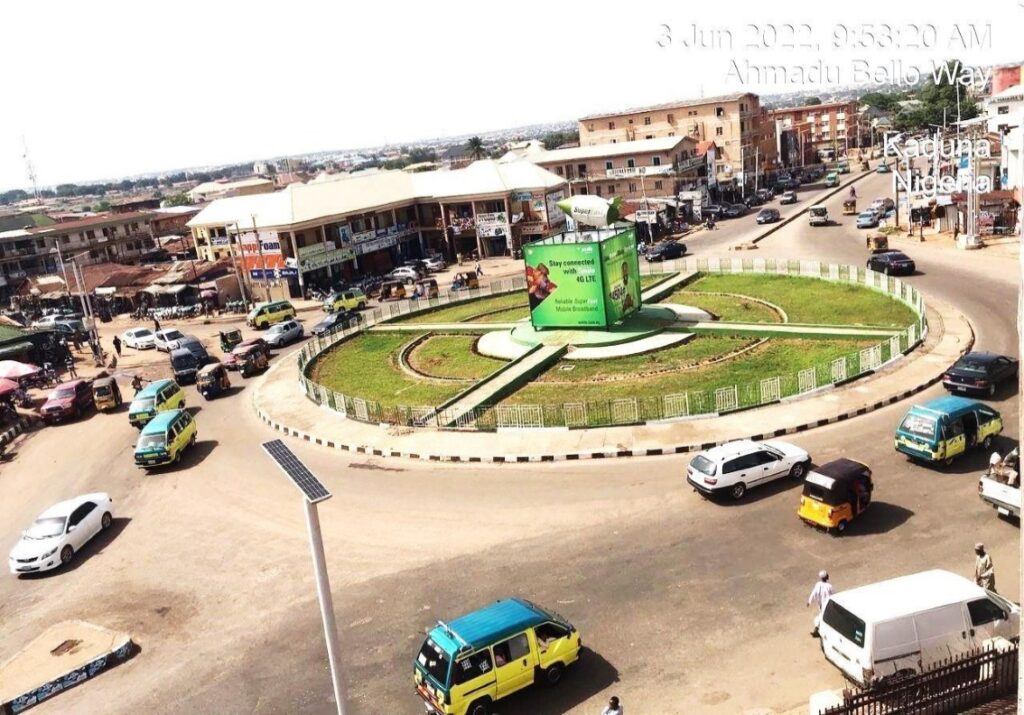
[(492, 224), (555, 215), (325, 258), (564, 285), (620, 267), (269, 240)]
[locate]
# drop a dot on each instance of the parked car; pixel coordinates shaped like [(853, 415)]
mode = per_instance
[(788, 197), (417, 265), (167, 339), (712, 210), (895, 263), (404, 274), (753, 200), (435, 262), (882, 205), (139, 338), (345, 299), (765, 194), (980, 372), (68, 401), (867, 219), (59, 532), (911, 624), (331, 321), (735, 466), (768, 216), (883, 169), (666, 251), (287, 331), (733, 210)]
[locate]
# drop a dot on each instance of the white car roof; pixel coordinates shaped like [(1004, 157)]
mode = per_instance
[(64, 508), (138, 331), (730, 450), (905, 595)]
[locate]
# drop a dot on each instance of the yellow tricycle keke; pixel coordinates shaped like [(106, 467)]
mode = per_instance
[(877, 242), (391, 290), (106, 393), (252, 360), (425, 288), (835, 494), (850, 207), (466, 280), (212, 380)]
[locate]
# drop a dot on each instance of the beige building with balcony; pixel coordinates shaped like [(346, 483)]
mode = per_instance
[(829, 130), (632, 170), (741, 129)]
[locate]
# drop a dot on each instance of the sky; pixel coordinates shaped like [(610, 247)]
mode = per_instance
[(102, 89)]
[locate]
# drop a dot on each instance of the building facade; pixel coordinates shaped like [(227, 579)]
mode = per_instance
[(829, 130), (104, 238), (632, 170), (212, 190), (739, 126)]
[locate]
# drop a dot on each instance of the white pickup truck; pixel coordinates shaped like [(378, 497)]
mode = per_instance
[(1002, 496)]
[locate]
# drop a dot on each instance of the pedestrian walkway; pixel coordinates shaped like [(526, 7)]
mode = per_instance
[(279, 401), (500, 383), (652, 294)]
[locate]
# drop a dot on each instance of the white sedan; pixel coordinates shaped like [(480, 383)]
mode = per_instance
[(285, 332), (167, 340), (139, 338), (60, 531)]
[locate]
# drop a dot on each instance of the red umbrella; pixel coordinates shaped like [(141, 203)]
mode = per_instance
[(14, 370), (7, 386)]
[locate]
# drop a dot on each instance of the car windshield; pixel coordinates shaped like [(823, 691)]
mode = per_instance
[(172, 335), (62, 393), (184, 361), (919, 425), (434, 660), (144, 333), (818, 211), (46, 528), (151, 440), (101, 390), (143, 403), (703, 465)]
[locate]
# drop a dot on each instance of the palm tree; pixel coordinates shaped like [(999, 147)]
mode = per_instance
[(475, 145)]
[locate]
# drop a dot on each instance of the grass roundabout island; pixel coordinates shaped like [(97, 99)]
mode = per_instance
[(731, 341)]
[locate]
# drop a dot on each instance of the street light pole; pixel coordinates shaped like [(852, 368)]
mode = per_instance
[(263, 260)]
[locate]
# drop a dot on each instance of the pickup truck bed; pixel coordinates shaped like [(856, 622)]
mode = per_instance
[(1004, 498)]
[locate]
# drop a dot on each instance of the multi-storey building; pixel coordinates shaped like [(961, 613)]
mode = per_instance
[(743, 134), (830, 129), (115, 238), (647, 167)]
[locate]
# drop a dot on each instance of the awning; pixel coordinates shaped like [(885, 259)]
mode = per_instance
[(165, 290), (106, 290), (15, 349)]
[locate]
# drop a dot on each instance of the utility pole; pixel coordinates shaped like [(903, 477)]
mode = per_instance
[(263, 260), (234, 265)]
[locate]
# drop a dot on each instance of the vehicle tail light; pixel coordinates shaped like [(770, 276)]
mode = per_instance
[(980, 382), (947, 377), (710, 480), (981, 487)]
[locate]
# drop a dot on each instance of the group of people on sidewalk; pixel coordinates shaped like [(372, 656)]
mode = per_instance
[(823, 590)]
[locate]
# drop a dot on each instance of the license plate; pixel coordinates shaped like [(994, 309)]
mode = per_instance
[(961, 388), (1003, 510)]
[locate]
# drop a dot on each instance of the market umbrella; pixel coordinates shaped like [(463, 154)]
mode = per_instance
[(7, 386), (208, 293), (13, 370)]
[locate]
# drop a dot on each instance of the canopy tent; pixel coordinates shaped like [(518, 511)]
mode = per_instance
[(13, 370), (8, 386)]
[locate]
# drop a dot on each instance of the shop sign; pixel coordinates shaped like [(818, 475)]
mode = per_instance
[(531, 227), (492, 224), (273, 273), (322, 247), (325, 258), (375, 244)]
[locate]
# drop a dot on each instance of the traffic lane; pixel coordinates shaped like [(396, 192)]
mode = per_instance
[(658, 595)]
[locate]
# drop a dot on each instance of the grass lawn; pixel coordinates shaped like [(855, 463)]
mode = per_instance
[(693, 352), (452, 356), (505, 316), (777, 357), (648, 281), (367, 367), (809, 300), (727, 307), (463, 312)]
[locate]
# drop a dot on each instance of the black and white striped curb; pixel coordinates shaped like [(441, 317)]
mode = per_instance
[(23, 425)]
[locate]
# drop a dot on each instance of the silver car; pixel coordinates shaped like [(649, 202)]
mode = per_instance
[(287, 331)]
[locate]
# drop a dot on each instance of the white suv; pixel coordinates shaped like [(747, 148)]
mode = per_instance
[(735, 466)]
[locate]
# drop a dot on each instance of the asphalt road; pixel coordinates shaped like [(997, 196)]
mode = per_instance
[(685, 605)]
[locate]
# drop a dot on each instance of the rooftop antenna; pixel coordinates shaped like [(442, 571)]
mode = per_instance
[(30, 169)]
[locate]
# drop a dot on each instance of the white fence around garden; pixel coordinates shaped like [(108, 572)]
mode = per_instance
[(630, 410)]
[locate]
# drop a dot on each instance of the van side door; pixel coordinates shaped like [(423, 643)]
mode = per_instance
[(473, 677), (953, 434), (942, 632), (514, 662)]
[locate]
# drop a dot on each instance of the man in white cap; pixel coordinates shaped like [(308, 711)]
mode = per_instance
[(820, 594), (984, 573)]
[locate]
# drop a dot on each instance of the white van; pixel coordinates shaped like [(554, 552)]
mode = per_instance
[(907, 624)]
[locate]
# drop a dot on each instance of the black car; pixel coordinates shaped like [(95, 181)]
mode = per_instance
[(765, 195), (753, 200), (666, 251), (713, 210), (341, 319), (895, 263), (768, 216), (733, 210), (980, 372), (788, 197)]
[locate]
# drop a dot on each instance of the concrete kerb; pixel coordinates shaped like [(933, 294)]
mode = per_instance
[(24, 424), (957, 339)]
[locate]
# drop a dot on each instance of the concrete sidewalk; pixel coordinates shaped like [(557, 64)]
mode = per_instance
[(280, 403)]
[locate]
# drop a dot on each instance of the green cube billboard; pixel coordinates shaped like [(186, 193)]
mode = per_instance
[(582, 282)]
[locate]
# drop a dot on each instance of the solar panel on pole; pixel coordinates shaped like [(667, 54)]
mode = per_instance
[(308, 484)]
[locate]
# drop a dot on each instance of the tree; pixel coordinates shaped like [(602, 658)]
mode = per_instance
[(553, 140), (101, 206), (882, 101), (179, 199), (811, 101), (475, 145)]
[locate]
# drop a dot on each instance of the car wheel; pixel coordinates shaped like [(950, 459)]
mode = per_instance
[(986, 444), (948, 461), (992, 390), (177, 457), (361, 306), (738, 490), (480, 707), (553, 675), (66, 554), (798, 471), (840, 528), (192, 441), (106, 520)]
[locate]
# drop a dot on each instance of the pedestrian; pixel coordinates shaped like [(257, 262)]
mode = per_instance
[(156, 325), (70, 365), (820, 594), (117, 345), (479, 271), (613, 707), (984, 573)]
